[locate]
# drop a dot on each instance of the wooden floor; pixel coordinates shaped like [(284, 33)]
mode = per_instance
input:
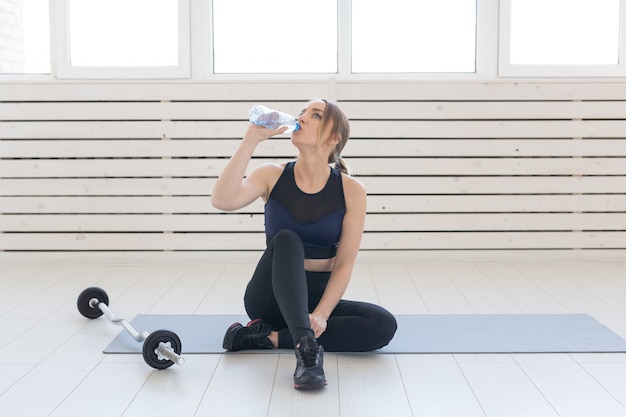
[(51, 360)]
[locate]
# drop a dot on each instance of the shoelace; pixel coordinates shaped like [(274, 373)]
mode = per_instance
[(309, 357)]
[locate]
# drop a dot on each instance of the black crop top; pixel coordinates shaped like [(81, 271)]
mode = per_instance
[(316, 218)]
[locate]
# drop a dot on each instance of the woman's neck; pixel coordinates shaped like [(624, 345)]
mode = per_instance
[(311, 174)]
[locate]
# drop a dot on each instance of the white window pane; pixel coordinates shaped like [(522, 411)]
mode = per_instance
[(565, 32), (277, 36), (123, 33), (24, 37), (413, 36)]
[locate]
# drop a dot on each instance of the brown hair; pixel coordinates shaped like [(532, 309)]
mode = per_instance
[(340, 126)]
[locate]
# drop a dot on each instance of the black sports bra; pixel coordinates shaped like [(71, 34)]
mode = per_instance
[(316, 218)]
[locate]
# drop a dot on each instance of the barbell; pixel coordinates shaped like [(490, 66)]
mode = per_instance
[(161, 348)]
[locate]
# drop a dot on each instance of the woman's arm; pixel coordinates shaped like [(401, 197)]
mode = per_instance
[(233, 190), (347, 251)]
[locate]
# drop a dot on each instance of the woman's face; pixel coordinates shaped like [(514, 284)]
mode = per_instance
[(310, 119), (311, 116)]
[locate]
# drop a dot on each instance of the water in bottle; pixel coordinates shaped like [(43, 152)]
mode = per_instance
[(272, 119)]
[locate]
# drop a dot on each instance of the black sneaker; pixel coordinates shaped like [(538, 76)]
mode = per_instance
[(309, 372), (253, 336)]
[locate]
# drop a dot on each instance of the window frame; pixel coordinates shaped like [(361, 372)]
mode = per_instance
[(196, 60), (508, 69), (62, 68), (485, 51)]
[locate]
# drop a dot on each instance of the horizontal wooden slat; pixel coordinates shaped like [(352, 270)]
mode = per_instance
[(134, 148), (469, 148), (300, 90), (122, 205), (411, 222), (483, 110), (120, 110), (359, 129), (256, 241), (374, 185), (121, 129), (59, 168), (374, 222), (495, 241), (487, 166), (494, 185), (489, 129), (305, 89), (132, 223), (376, 204), (109, 186), (355, 110), (282, 148), (498, 90), (496, 203)]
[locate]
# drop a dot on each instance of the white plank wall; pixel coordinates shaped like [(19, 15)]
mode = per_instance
[(448, 165)]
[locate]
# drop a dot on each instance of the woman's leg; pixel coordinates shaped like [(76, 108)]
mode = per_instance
[(353, 326), (278, 291), (259, 298), (358, 327)]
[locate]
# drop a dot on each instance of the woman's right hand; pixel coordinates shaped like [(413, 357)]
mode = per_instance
[(257, 134)]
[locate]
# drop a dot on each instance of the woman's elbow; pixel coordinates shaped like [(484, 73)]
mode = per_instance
[(221, 204)]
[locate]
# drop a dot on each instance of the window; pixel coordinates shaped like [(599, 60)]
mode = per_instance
[(124, 38), (24, 37), (426, 39), (274, 36), (413, 36), (123, 33), (570, 37)]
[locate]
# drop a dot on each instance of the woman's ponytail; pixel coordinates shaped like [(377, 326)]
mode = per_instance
[(341, 127), (341, 164)]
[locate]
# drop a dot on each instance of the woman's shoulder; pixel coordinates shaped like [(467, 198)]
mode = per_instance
[(270, 168), (269, 173), (352, 187)]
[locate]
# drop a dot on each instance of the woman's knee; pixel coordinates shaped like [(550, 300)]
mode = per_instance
[(368, 326), (286, 237), (286, 242), (385, 324)]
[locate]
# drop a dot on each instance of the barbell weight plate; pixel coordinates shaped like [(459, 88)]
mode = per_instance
[(152, 343), (84, 298)]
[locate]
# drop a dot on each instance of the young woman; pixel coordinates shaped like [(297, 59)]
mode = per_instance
[(314, 218)]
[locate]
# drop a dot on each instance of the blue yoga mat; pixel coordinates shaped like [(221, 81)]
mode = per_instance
[(447, 333)]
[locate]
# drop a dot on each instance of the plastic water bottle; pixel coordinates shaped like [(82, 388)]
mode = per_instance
[(272, 119)]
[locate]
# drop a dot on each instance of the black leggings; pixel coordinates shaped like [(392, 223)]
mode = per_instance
[(283, 294)]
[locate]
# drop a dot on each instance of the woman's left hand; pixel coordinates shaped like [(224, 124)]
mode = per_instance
[(318, 324)]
